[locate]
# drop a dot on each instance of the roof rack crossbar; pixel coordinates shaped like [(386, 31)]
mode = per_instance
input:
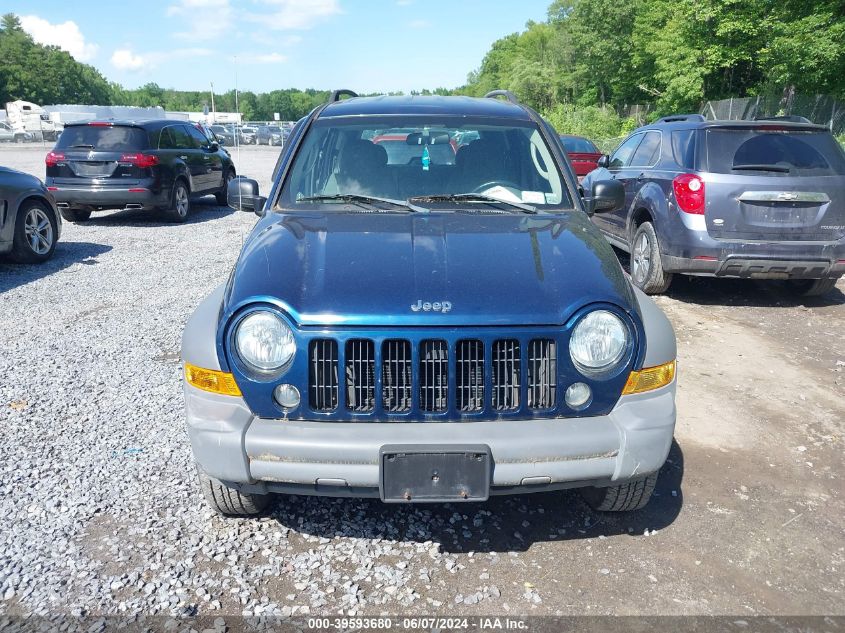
[(674, 118), (337, 94), (789, 118), (507, 94)]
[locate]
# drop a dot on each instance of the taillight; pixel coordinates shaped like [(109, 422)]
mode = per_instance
[(140, 160), (54, 158), (689, 193)]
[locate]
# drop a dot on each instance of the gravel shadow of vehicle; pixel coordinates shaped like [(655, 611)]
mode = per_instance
[(731, 291), (202, 210), (502, 524), (66, 255)]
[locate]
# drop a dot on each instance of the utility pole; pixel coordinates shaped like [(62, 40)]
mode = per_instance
[(213, 113)]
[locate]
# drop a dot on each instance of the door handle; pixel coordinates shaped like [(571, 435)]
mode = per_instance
[(640, 177)]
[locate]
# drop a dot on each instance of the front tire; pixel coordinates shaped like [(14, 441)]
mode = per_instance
[(36, 230), (811, 287), (221, 196), (230, 502), (180, 202), (75, 215), (646, 266), (632, 495)]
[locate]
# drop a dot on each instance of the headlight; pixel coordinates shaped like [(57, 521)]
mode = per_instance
[(264, 342), (598, 342)]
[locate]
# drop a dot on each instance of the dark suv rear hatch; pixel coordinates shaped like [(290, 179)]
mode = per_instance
[(100, 153), (774, 182)]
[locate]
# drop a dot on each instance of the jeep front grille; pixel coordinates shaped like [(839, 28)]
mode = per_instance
[(322, 375), (395, 376), (360, 375), (396, 380)]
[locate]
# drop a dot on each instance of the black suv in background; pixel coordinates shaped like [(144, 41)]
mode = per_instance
[(135, 165), (760, 199)]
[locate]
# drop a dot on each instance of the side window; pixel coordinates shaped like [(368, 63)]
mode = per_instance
[(198, 138), (683, 148), (624, 152), (165, 141), (181, 139), (648, 152)]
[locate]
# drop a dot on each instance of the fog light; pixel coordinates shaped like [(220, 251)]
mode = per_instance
[(287, 396), (578, 395)]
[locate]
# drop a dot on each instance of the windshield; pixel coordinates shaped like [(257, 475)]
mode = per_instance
[(578, 145), (401, 158), (104, 138), (774, 151)]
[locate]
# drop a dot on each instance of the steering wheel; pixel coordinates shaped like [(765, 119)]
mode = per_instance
[(507, 184)]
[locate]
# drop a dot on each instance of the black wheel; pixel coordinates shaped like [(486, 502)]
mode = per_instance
[(646, 265), (36, 230), (20, 138), (180, 202), (632, 495), (811, 287), (230, 502), (221, 195), (75, 215)]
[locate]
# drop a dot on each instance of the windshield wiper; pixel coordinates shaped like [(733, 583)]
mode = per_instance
[(761, 167), (473, 197), (364, 201)]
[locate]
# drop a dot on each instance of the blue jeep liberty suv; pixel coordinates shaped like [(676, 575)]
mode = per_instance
[(424, 312)]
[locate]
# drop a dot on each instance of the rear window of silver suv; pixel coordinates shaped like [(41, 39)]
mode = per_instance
[(773, 151)]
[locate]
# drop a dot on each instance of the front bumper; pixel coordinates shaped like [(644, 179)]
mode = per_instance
[(342, 458)]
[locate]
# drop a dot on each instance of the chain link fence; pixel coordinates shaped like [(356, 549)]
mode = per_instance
[(820, 109)]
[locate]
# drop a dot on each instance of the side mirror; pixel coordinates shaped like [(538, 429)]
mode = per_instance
[(604, 161), (605, 195), (242, 195)]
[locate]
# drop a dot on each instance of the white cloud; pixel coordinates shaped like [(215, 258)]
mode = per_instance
[(419, 24), (66, 36), (295, 14), (126, 59), (262, 58), (205, 19)]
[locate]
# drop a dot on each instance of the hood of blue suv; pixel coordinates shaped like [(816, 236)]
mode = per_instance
[(415, 269)]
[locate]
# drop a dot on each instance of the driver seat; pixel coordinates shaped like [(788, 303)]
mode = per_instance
[(478, 163)]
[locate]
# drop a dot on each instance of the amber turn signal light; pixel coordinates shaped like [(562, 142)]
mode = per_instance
[(211, 380), (649, 378)]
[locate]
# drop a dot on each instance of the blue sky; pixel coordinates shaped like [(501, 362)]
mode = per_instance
[(366, 45)]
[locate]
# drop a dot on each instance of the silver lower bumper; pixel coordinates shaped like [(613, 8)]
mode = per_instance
[(342, 459)]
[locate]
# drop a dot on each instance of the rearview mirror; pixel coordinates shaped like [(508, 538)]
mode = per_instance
[(417, 138), (242, 195), (605, 195), (604, 161)]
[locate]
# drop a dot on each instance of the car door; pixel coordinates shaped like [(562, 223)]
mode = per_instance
[(213, 175), (188, 152), (610, 222), (636, 174)]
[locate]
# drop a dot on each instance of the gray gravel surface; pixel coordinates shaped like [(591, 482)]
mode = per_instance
[(100, 511)]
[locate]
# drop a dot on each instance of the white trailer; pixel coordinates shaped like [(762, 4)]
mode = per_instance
[(31, 121)]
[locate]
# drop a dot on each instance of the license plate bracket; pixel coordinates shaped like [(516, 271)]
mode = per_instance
[(425, 473)]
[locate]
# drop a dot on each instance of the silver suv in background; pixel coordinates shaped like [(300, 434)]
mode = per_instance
[(761, 199)]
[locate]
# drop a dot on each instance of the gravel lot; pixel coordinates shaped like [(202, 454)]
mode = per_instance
[(101, 512)]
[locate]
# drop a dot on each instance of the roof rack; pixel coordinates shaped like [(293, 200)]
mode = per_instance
[(789, 118), (675, 118), (337, 94), (507, 94)]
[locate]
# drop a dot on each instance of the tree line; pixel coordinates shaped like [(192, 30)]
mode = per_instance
[(579, 67)]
